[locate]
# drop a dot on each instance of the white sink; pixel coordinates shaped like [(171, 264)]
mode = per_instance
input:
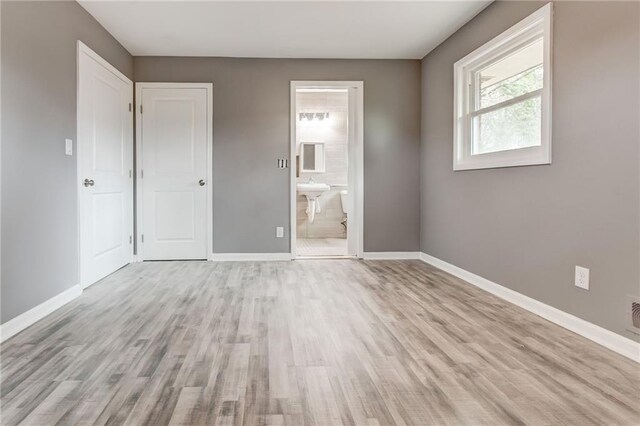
[(312, 191)]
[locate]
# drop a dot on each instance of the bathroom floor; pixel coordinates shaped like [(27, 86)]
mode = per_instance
[(322, 246)]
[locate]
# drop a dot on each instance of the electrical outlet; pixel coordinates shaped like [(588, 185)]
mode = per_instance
[(279, 232), (582, 277), (68, 147)]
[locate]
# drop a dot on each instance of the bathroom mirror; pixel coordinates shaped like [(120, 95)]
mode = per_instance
[(312, 157)]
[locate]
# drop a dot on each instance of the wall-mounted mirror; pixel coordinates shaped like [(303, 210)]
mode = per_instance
[(312, 157)]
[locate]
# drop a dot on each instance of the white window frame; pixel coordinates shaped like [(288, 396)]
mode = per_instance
[(539, 24)]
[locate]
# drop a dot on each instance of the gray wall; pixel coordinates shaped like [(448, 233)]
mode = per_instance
[(251, 130), (527, 227), (39, 210)]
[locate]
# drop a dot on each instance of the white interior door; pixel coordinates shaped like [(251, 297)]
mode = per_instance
[(105, 163), (174, 134)]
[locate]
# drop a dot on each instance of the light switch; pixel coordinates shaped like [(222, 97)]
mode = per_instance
[(68, 147)]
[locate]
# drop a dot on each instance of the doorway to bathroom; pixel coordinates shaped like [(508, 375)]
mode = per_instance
[(327, 169)]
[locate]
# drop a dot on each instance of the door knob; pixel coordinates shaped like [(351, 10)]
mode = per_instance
[(201, 182), (88, 182)]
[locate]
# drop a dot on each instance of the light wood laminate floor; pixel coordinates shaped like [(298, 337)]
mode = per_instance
[(313, 342)]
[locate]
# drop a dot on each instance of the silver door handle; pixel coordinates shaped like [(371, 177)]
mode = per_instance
[(201, 182), (88, 182)]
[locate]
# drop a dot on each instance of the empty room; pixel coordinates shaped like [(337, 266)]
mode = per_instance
[(319, 213)]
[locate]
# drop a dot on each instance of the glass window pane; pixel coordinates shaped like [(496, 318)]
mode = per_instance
[(513, 76), (512, 127)]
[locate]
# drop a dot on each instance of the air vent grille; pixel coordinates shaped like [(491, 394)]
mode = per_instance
[(635, 314)]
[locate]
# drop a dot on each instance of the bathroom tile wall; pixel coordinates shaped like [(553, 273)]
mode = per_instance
[(333, 132)]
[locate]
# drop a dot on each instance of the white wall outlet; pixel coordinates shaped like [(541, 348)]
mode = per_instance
[(68, 147), (279, 232), (582, 277)]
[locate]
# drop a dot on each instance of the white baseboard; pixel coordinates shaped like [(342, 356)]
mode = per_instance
[(22, 321), (248, 257), (391, 255), (604, 337)]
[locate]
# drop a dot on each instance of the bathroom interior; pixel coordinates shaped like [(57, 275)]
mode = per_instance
[(322, 139)]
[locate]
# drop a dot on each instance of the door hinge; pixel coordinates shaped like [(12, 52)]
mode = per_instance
[(142, 238), (130, 239), (129, 106), (140, 109), (141, 173), (130, 174)]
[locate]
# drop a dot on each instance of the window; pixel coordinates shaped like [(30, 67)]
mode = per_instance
[(503, 98)]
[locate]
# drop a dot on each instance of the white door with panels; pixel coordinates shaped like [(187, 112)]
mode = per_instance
[(174, 131), (105, 167)]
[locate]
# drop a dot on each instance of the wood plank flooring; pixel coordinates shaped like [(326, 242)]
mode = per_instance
[(313, 342)]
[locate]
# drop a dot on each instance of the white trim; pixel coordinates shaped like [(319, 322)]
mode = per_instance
[(24, 320), (595, 333), (83, 48), (138, 146), (538, 24), (391, 255), (85, 285), (355, 182), (80, 49), (246, 257)]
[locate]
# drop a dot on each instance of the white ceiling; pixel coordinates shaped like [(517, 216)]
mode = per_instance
[(265, 29)]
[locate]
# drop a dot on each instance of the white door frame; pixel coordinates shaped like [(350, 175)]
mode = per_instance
[(139, 194), (356, 162), (80, 49)]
